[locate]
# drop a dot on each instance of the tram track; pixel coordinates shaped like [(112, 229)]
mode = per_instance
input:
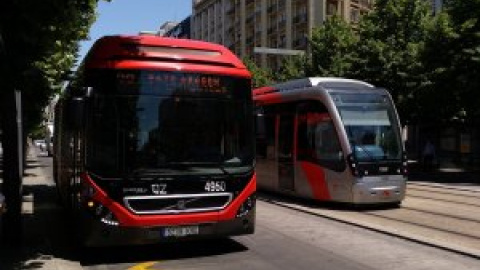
[(441, 222), (443, 189), (458, 217), (445, 200), (428, 226)]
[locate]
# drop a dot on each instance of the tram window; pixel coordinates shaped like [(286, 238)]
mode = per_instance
[(317, 139)]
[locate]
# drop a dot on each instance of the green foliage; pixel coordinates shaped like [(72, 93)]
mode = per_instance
[(293, 67), (41, 45), (331, 49), (391, 42), (260, 77), (454, 53)]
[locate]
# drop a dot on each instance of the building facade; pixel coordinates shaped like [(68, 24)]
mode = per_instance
[(166, 27), (181, 30), (242, 25)]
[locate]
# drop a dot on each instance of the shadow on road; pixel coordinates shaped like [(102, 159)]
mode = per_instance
[(160, 252)]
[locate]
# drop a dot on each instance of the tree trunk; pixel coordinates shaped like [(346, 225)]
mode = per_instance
[(12, 226)]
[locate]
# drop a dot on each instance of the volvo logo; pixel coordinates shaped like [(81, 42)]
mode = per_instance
[(181, 204), (159, 189)]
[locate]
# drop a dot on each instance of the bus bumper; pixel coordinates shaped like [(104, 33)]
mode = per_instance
[(97, 233), (379, 190)]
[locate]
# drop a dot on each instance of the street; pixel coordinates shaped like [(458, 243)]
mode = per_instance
[(290, 234)]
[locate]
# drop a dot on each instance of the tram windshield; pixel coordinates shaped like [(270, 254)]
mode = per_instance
[(371, 125)]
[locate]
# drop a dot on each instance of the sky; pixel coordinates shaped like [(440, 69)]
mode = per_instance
[(134, 16)]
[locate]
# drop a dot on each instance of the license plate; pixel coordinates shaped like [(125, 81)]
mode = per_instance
[(180, 231)]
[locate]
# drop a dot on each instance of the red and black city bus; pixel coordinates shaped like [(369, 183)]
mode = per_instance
[(155, 142)]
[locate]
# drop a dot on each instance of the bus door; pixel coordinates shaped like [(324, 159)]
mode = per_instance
[(286, 172)]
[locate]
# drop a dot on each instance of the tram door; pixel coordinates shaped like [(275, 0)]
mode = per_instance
[(285, 155)]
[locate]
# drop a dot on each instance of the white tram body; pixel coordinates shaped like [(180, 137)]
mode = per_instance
[(330, 139)]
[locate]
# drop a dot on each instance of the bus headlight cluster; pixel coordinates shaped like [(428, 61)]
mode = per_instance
[(102, 213), (246, 206), (94, 207)]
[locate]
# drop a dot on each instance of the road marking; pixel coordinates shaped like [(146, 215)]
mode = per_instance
[(144, 266)]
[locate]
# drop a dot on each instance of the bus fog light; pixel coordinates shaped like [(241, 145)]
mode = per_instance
[(246, 206), (109, 219)]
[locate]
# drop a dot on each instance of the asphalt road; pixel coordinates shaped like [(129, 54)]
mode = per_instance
[(284, 239)]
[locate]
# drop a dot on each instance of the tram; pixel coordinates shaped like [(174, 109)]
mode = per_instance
[(330, 139)]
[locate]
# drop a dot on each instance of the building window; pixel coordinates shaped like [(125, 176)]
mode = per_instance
[(354, 15)]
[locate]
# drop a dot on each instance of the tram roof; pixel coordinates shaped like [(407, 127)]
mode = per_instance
[(324, 82)]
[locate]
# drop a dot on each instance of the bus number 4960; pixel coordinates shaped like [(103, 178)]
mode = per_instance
[(215, 186)]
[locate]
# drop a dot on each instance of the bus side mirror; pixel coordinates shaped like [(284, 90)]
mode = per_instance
[(76, 110)]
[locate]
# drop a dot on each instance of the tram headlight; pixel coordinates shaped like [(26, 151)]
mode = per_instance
[(404, 166), (352, 163)]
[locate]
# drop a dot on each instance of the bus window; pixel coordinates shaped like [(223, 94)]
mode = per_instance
[(317, 139)]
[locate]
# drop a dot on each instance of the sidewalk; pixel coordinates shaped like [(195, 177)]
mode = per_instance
[(46, 243)]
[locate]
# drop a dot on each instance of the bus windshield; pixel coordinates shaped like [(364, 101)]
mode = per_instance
[(156, 122), (371, 125)]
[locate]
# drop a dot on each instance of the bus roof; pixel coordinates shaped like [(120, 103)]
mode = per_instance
[(324, 82), (157, 48)]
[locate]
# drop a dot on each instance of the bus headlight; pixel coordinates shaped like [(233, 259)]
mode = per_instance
[(246, 206), (102, 213), (94, 207)]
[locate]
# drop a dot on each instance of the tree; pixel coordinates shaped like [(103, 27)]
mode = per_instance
[(260, 77), (292, 67), (39, 46), (439, 101), (391, 42), (454, 56), (331, 49)]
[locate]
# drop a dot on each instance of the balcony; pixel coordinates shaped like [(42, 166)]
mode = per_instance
[(271, 30), (250, 18), (300, 18), (258, 13), (368, 4), (272, 8), (230, 10), (300, 43)]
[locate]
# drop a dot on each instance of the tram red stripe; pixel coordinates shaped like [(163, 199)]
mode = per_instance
[(316, 177)]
